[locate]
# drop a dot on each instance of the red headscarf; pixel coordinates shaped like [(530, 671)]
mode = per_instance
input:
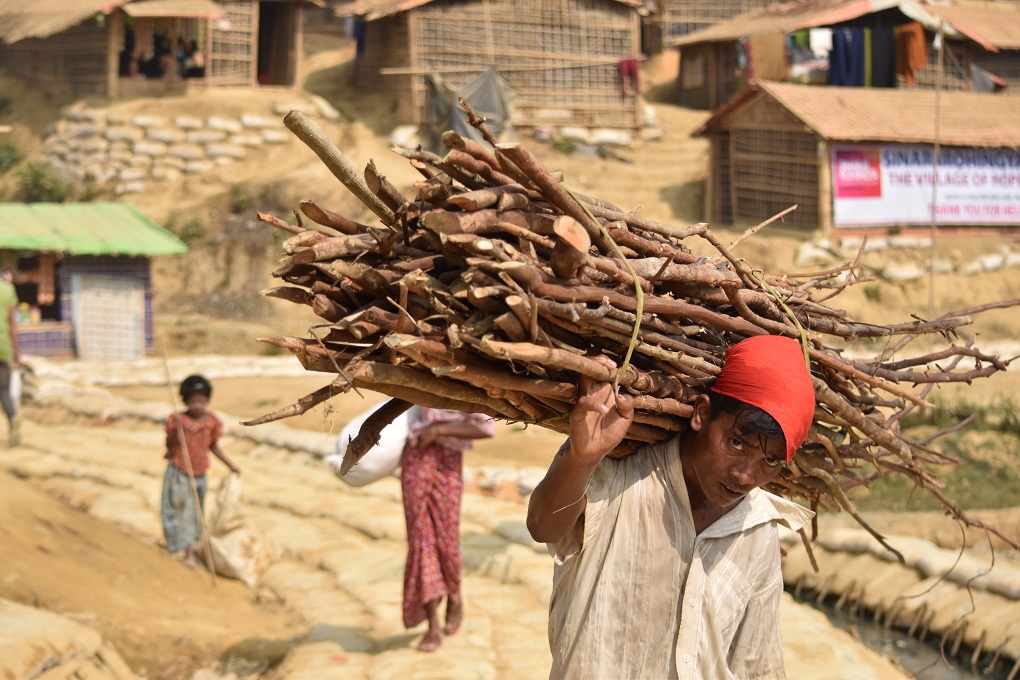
[(768, 371)]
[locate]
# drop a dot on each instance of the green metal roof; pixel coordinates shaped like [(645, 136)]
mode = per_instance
[(84, 229)]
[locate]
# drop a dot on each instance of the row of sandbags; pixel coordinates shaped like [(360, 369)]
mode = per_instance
[(964, 601)]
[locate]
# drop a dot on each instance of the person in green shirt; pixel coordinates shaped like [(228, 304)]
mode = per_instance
[(10, 358)]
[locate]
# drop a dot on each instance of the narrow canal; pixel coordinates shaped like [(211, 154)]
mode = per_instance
[(922, 659)]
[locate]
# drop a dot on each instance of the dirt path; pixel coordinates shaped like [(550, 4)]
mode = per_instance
[(329, 608)]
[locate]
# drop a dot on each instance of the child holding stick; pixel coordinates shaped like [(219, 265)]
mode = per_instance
[(201, 430)]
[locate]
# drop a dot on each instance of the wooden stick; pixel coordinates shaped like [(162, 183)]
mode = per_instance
[(316, 140)]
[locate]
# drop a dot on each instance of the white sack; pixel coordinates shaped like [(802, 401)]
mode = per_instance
[(239, 548), (382, 459)]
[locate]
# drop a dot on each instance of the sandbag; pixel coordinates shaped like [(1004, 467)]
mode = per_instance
[(382, 459), (239, 548)]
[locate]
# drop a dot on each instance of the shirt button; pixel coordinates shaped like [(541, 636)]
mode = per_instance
[(691, 604), (685, 658)]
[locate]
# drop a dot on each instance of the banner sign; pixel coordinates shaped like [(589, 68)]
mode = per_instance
[(892, 185)]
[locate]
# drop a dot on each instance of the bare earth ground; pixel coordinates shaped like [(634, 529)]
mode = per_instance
[(79, 517), (80, 534)]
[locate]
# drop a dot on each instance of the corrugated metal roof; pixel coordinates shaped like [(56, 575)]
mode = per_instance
[(858, 114), (378, 9), (188, 9), (994, 27), (785, 17), (84, 229), (23, 19)]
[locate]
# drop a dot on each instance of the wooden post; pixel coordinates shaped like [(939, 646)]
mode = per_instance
[(635, 41), (714, 77), (297, 45), (256, 26), (115, 29), (824, 188), (711, 183), (734, 208), (414, 81), (207, 75)]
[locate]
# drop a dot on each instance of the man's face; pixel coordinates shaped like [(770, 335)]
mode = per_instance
[(725, 462)]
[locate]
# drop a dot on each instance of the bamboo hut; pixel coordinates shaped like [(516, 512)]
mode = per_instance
[(994, 56), (562, 59), (82, 272), (853, 158), (126, 48), (718, 62)]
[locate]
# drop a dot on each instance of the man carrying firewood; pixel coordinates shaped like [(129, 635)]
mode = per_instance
[(667, 562)]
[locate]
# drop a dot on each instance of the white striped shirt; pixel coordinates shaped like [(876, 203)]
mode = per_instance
[(641, 595)]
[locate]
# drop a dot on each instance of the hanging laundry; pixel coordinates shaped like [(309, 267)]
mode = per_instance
[(744, 59), (629, 78), (883, 57), (911, 51), (805, 66), (820, 42), (846, 61)]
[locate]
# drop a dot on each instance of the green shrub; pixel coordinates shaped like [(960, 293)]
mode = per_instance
[(90, 192), (998, 415), (38, 183), (193, 230), (244, 199), (988, 450), (9, 155), (565, 145), (190, 232)]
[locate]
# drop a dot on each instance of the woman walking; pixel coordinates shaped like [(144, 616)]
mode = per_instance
[(431, 482)]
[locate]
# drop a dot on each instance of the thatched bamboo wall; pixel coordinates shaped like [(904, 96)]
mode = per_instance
[(1005, 64), (232, 52), (709, 75), (764, 162), (387, 44), (680, 17), (561, 58), (70, 64), (955, 67)]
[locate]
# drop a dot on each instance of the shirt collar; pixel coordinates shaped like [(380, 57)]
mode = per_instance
[(759, 507)]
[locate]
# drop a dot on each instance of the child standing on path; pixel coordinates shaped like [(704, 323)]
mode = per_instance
[(202, 430)]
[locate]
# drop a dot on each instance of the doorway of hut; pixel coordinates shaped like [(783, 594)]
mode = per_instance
[(279, 33), (161, 48)]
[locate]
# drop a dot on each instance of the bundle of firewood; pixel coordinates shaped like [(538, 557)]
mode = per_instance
[(492, 288)]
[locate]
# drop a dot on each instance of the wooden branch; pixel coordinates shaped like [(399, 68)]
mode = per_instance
[(371, 431), (316, 140)]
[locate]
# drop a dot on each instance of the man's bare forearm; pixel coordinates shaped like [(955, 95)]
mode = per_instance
[(558, 501)]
